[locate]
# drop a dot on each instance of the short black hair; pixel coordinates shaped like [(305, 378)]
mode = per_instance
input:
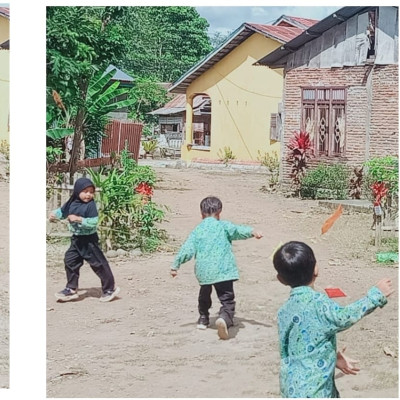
[(295, 263), (210, 205)]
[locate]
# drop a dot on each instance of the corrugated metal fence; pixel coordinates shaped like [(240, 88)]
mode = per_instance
[(119, 133)]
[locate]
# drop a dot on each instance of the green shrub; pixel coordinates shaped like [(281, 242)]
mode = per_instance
[(383, 169), (127, 215), (325, 182), (270, 161), (53, 154), (226, 155), (5, 149), (382, 175)]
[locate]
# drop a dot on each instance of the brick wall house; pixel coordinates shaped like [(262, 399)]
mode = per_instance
[(340, 89)]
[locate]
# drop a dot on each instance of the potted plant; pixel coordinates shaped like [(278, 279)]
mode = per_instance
[(149, 146)]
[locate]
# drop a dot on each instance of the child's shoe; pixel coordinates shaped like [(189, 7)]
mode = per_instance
[(67, 294), (109, 295), (222, 329), (203, 322)]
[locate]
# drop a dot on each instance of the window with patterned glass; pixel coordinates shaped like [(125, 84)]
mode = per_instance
[(323, 117)]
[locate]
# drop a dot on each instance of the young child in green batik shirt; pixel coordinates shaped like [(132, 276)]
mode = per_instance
[(308, 323), (211, 245), (81, 212)]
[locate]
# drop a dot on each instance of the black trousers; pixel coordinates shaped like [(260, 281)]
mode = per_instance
[(86, 248), (225, 295)]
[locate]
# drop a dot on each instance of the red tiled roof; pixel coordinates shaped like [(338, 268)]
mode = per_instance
[(5, 11), (178, 104), (282, 33), (307, 22), (179, 101), (283, 30)]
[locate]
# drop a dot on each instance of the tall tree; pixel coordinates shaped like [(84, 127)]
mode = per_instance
[(153, 43), (147, 95), (165, 41), (80, 41)]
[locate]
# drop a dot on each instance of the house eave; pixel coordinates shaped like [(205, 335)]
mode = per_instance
[(236, 38), (278, 58), (198, 69)]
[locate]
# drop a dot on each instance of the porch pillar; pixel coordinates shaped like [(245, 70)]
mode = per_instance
[(189, 120), (185, 149)]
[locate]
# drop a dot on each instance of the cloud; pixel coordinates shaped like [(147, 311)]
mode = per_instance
[(227, 19), (259, 12)]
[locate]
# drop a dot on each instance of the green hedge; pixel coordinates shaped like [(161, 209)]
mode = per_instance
[(326, 182)]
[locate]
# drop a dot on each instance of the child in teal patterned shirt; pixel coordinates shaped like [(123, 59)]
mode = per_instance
[(308, 323), (211, 244)]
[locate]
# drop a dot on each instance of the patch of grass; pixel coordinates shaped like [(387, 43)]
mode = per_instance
[(390, 244)]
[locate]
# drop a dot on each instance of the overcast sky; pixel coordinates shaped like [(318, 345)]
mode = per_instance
[(227, 19)]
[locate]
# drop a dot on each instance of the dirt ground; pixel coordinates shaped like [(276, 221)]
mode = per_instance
[(145, 343), (4, 279)]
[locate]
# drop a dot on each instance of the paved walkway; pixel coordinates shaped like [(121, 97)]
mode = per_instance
[(351, 205)]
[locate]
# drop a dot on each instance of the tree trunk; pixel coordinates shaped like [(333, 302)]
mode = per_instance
[(78, 131)]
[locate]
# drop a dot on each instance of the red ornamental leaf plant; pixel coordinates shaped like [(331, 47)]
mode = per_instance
[(380, 192), (300, 151)]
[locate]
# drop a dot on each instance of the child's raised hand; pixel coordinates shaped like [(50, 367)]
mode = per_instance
[(346, 364), (52, 218), (74, 218), (257, 234), (385, 286), (174, 273)]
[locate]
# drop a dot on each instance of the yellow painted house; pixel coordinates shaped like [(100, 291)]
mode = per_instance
[(245, 99), (4, 72)]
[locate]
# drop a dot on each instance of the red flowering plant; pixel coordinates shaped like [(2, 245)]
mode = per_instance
[(145, 190), (382, 179), (300, 151), (380, 192)]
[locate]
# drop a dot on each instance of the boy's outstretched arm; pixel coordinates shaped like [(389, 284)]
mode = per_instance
[(240, 232), (186, 253), (339, 318)]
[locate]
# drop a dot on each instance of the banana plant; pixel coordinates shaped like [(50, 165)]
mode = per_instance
[(101, 94), (101, 99), (56, 132)]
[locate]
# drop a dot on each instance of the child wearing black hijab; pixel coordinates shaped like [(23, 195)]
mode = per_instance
[(81, 212)]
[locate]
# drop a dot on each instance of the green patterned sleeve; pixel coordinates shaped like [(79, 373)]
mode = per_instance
[(58, 213), (90, 222), (338, 318), (237, 232), (186, 252)]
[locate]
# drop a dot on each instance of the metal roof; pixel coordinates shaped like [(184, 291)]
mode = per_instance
[(119, 75), (178, 104), (278, 58), (287, 20), (279, 33)]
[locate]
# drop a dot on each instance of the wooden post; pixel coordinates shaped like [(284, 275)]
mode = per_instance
[(378, 231)]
